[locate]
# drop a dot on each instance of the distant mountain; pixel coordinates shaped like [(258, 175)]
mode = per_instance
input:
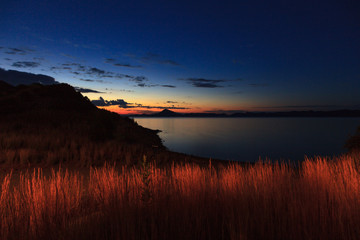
[(166, 113)]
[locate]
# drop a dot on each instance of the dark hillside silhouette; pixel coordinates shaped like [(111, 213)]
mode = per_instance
[(55, 123)]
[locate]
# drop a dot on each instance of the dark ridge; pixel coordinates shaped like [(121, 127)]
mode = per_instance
[(57, 120)]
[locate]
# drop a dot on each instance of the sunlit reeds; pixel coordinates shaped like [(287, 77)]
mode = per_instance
[(319, 199)]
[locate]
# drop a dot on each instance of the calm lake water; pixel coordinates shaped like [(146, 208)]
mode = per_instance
[(247, 139)]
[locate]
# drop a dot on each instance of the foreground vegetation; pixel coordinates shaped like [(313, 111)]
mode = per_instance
[(318, 200)]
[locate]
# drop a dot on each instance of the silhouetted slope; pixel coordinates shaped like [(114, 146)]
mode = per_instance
[(49, 118)]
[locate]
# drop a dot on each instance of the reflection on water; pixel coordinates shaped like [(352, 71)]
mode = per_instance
[(247, 139)]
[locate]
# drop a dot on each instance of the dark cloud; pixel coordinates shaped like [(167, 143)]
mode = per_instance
[(114, 62), (150, 58), (126, 65), (16, 78), (141, 81), (110, 60), (8, 59), (94, 74), (123, 104), (85, 70), (171, 102), (205, 83), (159, 107), (95, 70), (156, 58), (25, 64), (87, 80), (120, 102), (77, 66), (93, 80), (14, 51), (168, 86), (86, 90), (100, 102)]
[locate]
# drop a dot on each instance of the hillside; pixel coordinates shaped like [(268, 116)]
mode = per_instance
[(49, 124)]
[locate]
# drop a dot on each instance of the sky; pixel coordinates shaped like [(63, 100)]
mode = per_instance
[(190, 56)]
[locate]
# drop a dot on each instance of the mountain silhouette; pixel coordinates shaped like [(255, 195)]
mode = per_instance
[(166, 113), (55, 123)]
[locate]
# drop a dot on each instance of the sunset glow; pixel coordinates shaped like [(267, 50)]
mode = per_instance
[(205, 56)]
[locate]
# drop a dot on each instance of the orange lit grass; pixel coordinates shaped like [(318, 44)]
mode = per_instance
[(319, 200)]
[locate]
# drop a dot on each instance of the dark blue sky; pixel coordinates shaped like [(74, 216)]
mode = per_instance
[(191, 55)]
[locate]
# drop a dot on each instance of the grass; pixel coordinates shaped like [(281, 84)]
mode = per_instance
[(318, 200)]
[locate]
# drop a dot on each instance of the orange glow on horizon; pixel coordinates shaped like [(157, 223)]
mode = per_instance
[(145, 110)]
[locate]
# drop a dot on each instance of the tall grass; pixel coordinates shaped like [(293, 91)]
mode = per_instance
[(318, 200)]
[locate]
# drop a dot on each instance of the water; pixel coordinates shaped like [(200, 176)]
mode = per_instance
[(247, 139)]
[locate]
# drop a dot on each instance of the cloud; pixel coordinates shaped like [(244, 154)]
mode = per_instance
[(168, 86), (93, 80), (150, 58), (103, 103), (141, 81), (95, 70), (124, 90), (15, 51), (116, 64), (123, 104), (110, 60), (77, 69), (16, 78), (205, 83), (86, 90), (159, 107), (171, 102), (100, 102), (126, 65), (156, 58), (87, 80), (25, 64)]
